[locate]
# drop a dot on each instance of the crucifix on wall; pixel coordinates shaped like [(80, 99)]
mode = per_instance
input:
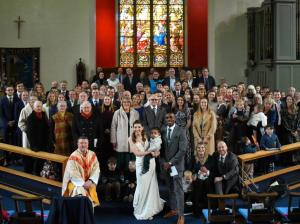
[(19, 22)]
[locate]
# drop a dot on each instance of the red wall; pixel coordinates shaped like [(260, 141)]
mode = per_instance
[(197, 32), (197, 28), (105, 33)]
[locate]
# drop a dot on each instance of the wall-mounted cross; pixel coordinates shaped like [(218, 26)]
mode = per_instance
[(19, 22)]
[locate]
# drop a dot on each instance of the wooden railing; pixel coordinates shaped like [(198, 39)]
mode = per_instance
[(262, 154), (40, 155)]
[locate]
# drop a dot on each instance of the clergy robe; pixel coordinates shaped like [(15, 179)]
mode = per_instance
[(80, 169)]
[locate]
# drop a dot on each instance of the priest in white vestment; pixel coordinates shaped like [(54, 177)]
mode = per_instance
[(82, 173)]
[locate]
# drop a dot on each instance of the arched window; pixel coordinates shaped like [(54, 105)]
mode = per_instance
[(151, 33)]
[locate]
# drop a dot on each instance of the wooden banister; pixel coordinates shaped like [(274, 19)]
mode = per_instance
[(31, 177), (273, 174), (223, 196), (263, 153), (28, 152)]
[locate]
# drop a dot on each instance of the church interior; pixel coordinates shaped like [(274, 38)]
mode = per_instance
[(246, 46)]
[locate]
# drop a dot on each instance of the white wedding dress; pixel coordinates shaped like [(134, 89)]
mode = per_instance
[(147, 201)]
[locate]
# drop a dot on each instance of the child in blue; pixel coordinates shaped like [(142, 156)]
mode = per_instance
[(270, 141), (248, 147)]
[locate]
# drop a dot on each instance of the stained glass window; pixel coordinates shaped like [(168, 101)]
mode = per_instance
[(151, 33)]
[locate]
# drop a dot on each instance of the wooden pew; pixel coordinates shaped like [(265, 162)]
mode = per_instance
[(262, 154), (40, 155)]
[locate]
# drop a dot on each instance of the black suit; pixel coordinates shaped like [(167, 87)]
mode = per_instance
[(168, 83), (209, 82), (7, 115), (150, 120), (131, 86), (229, 170), (66, 94), (181, 93)]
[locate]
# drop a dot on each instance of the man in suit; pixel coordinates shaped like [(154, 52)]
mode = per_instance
[(63, 89), (171, 79), (19, 89), (177, 91), (83, 96), (95, 100), (208, 81), (153, 115), (72, 101), (7, 106), (172, 160), (130, 81), (227, 170)]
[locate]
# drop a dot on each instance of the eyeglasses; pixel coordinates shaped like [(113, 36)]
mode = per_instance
[(154, 99)]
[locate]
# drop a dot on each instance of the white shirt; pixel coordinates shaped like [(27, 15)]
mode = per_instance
[(220, 158), (172, 129), (172, 83)]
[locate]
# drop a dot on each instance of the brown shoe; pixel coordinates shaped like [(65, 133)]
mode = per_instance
[(180, 220), (170, 214)]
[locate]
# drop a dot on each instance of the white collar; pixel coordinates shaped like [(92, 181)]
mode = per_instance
[(220, 158), (172, 127)]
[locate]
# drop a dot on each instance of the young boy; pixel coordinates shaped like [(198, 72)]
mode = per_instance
[(270, 141), (187, 184), (130, 182), (154, 146), (248, 147), (111, 180)]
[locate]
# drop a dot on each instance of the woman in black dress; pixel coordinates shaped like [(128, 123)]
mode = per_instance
[(203, 170), (107, 110)]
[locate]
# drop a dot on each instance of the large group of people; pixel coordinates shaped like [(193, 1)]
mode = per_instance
[(180, 125)]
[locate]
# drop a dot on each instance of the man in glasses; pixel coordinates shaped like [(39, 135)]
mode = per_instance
[(153, 115)]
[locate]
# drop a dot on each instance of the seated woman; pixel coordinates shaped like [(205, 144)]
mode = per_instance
[(203, 173)]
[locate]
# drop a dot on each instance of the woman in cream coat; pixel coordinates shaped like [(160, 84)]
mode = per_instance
[(204, 126), (24, 114), (121, 129)]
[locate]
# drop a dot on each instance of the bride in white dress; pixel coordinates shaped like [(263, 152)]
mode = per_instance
[(147, 201)]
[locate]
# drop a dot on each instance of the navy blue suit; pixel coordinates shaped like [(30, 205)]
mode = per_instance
[(209, 83), (131, 86), (7, 115)]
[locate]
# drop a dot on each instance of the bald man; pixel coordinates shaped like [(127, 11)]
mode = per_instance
[(227, 170)]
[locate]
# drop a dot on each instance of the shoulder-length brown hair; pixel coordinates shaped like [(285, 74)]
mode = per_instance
[(133, 137), (111, 107)]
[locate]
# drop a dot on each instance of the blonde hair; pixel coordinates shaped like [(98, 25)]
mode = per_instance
[(188, 173), (205, 154)]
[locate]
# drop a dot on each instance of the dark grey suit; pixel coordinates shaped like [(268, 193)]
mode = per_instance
[(174, 152), (229, 169), (150, 120)]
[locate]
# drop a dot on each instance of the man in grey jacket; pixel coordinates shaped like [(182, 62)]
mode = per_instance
[(172, 159)]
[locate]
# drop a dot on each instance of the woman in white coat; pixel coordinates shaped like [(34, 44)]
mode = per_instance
[(121, 129), (24, 114)]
